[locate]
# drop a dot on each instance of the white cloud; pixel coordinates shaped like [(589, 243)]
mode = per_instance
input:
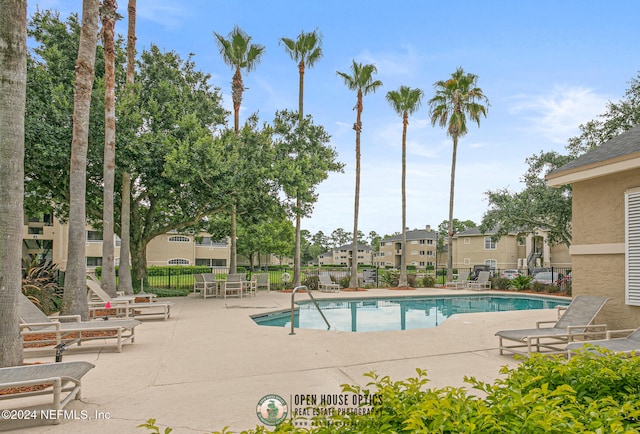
[(556, 114), (169, 14)]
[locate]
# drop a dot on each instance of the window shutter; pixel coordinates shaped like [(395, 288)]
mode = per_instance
[(632, 244)]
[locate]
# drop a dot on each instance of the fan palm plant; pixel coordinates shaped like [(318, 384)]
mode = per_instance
[(405, 101), (362, 82), (455, 99)]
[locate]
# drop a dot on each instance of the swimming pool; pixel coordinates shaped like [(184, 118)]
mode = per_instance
[(385, 314)]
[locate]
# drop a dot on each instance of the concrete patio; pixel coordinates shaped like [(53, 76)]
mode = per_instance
[(209, 364)]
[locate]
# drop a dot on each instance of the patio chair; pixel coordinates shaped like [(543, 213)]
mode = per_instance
[(628, 344), (211, 285), (198, 283), (574, 322), (325, 284), (482, 282), (235, 284), (64, 377), (263, 281), (126, 304), (460, 282), (49, 331)]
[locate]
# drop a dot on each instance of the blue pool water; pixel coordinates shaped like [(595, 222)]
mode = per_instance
[(383, 314)]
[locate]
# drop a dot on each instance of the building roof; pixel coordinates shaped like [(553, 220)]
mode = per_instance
[(616, 155), (350, 246), (416, 234)]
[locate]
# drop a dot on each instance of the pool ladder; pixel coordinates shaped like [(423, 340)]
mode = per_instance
[(293, 294)]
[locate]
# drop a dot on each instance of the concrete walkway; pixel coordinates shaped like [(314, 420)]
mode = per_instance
[(209, 364)]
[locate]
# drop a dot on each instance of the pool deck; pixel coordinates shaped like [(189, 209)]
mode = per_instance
[(209, 364)]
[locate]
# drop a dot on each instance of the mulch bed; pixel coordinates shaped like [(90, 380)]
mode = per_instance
[(22, 389), (402, 288), (67, 336), (354, 289)]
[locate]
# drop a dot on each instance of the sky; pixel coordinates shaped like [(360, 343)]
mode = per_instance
[(546, 66)]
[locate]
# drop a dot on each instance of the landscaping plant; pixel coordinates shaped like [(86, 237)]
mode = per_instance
[(594, 392)]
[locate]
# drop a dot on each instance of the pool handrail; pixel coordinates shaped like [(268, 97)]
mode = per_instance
[(293, 294)]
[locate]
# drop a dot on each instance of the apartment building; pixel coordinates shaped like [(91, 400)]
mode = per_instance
[(343, 255), (47, 237), (512, 251), (421, 249)]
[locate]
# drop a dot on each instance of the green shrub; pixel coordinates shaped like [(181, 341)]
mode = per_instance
[(521, 282), (538, 287), (40, 284), (390, 278), (594, 393), (500, 283), (429, 281), (311, 281)]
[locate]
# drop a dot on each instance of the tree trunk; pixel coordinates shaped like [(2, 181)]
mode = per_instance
[(108, 239), (13, 82), (233, 260), (296, 264), (451, 194), (402, 280), (237, 87), (353, 281), (75, 289), (124, 276)]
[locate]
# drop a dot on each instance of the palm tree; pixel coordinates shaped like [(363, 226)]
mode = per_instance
[(108, 14), (456, 98), (13, 87), (404, 101), (361, 81), (239, 53), (306, 51), (74, 300), (125, 283)]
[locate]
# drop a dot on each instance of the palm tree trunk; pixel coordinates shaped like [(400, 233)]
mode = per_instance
[(353, 282), (402, 280), (296, 264), (108, 240), (125, 283), (233, 260), (451, 195), (13, 84), (74, 300)]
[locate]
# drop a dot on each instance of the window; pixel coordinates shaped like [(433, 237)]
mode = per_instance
[(492, 263), (489, 244), (208, 262), (430, 242), (94, 236), (178, 261), (382, 244), (421, 252), (415, 242), (414, 252), (422, 241), (94, 261), (632, 247), (204, 241), (421, 264), (179, 239)]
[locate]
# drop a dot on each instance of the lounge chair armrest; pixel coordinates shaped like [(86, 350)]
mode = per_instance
[(624, 333), (75, 318), (587, 330), (55, 324), (538, 323)]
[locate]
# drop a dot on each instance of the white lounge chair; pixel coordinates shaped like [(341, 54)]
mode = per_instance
[(575, 322), (64, 377), (35, 324), (211, 285), (460, 282), (325, 284), (482, 282), (628, 344), (126, 304)]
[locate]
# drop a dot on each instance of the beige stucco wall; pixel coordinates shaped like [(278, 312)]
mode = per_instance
[(598, 244)]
